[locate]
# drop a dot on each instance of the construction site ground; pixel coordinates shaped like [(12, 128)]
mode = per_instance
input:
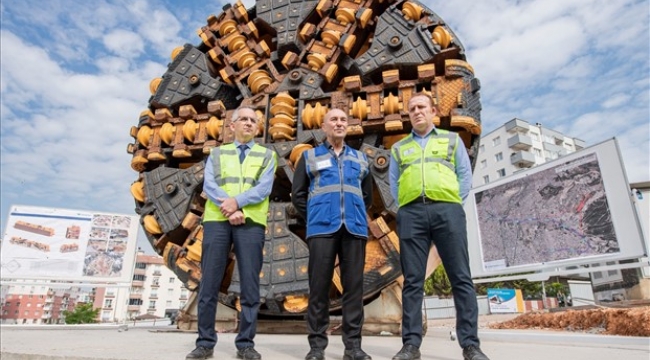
[(502, 337), (624, 321)]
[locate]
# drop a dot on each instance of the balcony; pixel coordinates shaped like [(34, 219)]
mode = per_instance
[(133, 308), (137, 283), (517, 125), (135, 296), (520, 142), (137, 271), (580, 144), (522, 159)]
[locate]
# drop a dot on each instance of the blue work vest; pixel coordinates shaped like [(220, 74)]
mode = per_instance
[(334, 183)]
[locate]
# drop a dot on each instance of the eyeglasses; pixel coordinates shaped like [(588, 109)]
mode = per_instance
[(247, 119)]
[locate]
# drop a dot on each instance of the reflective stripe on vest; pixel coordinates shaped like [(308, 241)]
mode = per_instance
[(335, 196), (235, 178), (436, 161)]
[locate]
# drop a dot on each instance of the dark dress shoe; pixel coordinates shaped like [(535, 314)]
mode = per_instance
[(200, 353), (248, 353), (355, 354), (315, 354), (474, 352), (408, 352)]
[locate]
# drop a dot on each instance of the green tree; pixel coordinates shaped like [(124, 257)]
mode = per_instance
[(82, 314), (438, 283), (553, 288)]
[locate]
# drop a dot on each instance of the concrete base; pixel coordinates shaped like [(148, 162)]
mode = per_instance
[(383, 316)]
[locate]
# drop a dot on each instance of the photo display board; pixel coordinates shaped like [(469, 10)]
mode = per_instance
[(574, 210), (68, 245)]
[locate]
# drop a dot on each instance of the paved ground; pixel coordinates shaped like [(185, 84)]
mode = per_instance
[(162, 343)]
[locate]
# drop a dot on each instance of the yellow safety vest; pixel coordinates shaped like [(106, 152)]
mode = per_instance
[(432, 170), (235, 178)]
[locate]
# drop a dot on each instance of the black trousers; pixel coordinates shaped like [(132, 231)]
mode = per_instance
[(248, 241), (351, 251), (444, 225)]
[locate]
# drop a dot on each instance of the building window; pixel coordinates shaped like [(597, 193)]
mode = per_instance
[(501, 172), (538, 152), (140, 265), (139, 277), (170, 292), (152, 304), (498, 157), (171, 280), (483, 164), (496, 141), (108, 303), (168, 303), (486, 179), (481, 149), (534, 135)]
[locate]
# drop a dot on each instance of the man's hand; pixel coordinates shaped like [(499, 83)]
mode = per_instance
[(228, 206), (237, 218)]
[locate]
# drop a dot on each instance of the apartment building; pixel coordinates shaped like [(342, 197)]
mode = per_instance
[(519, 145), (155, 289), (29, 303)]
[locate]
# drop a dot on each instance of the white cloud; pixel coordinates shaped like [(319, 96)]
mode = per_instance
[(124, 43), (73, 82), (616, 100)]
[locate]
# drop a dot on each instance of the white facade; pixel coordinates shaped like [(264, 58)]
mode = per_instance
[(518, 145), (154, 290), (641, 193)]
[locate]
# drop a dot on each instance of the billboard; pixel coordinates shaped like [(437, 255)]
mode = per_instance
[(68, 245), (571, 211), (505, 301)]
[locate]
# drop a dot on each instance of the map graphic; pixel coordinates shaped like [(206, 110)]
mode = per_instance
[(554, 214)]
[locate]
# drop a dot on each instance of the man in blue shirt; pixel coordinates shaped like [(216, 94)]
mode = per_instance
[(430, 176), (332, 188), (238, 179)]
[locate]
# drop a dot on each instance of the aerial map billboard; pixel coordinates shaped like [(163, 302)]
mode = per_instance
[(571, 211), (70, 245)]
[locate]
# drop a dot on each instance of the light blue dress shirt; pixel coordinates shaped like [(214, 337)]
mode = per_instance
[(254, 195), (463, 167)]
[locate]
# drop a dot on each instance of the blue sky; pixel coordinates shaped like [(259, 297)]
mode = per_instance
[(75, 76)]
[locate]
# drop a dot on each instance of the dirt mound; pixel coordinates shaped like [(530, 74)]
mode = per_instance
[(627, 322)]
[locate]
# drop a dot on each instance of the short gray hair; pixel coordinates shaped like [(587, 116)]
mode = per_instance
[(235, 114)]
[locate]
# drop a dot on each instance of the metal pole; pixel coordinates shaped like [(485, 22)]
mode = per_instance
[(543, 295)]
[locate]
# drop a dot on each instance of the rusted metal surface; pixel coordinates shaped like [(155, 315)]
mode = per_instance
[(292, 60)]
